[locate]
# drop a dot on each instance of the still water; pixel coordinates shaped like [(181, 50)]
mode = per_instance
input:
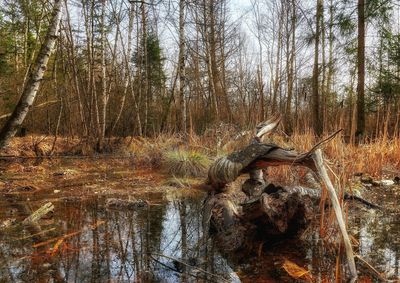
[(85, 241)]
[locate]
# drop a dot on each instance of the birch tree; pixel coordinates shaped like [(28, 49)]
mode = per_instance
[(36, 75)]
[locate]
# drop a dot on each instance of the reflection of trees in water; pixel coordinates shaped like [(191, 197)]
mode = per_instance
[(10, 249), (379, 241), (131, 246), (128, 246)]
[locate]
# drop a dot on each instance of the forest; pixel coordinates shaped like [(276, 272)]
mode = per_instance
[(199, 140)]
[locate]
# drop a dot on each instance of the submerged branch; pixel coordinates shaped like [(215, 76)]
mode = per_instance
[(38, 214)]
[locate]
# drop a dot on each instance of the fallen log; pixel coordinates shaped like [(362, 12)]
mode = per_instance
[(273, 214), (314, 193)]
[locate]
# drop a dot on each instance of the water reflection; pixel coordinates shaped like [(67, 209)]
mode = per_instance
[(100, 245), (379, 237), (83, 241)]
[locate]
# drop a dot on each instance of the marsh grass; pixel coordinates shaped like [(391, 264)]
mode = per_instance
[(191, 155), (186, 163)]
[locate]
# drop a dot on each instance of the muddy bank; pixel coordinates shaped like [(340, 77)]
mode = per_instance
[(82, 177)]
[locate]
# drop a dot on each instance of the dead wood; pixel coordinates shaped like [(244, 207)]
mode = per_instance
[(320, 168), (272, 213), (39, 213)]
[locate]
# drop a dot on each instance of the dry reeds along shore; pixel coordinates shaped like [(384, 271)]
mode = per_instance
[(191, 156)]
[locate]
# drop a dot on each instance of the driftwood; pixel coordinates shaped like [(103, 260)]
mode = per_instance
[(269, 212), (39, 213)]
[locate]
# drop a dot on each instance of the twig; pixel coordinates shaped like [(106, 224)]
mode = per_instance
[(363, 201), (371, 268), (184, 263), (34, 235), (69, 235), (174, 269), (315, 147), (36, 106)]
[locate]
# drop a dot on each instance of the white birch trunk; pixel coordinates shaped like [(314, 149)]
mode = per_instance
[(32, 85)]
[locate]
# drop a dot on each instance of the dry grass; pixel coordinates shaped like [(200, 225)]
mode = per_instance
[(183, 163), (189, 156), (375, 158)]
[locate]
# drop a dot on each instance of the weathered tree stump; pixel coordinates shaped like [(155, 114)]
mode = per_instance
[(274, 214)]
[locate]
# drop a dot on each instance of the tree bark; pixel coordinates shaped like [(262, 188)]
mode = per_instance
[(315, 78), (361, 70), (277, 77), (33, 83), (330, 57), (182, 124), (104, 95), (290, 67), (127, 73)]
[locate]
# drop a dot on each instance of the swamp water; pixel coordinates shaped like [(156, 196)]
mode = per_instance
[(84, 241)]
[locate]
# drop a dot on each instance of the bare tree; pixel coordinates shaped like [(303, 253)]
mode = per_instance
[(104, 94), (291, 53), (181, 68), (317, 123), (361, 69)]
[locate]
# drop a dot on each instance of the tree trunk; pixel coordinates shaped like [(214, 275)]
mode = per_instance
[(330, 57), (73, 65), (260, 69), (315, 81), (361, 70), (323, 95), (207, 42), (290, 67), (33, 83), (182, 124), (104, 95), (146, 68), (127, 73), (277, 78)]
